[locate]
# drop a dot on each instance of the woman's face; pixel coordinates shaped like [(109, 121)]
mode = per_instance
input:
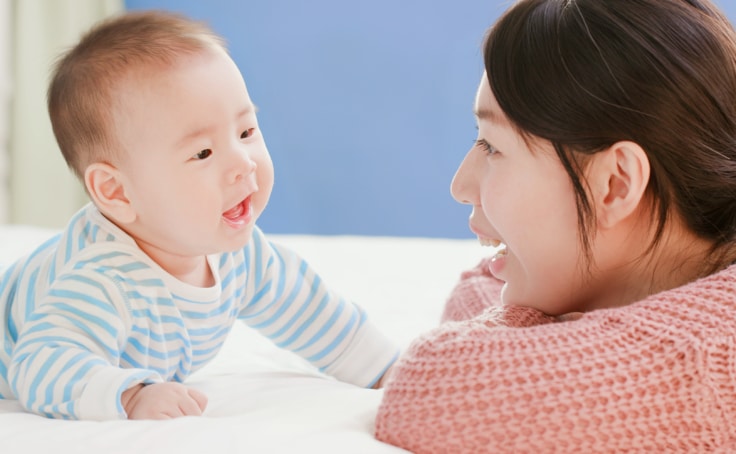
[(524, 204)]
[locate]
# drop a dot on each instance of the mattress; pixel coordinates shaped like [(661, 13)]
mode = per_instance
[(263, 399)]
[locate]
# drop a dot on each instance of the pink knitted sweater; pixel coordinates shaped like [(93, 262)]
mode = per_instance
[(658, 375)]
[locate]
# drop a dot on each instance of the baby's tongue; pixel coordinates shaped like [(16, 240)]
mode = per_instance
[(234, 212)]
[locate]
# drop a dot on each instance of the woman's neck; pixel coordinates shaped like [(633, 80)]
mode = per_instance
[(678, 258)]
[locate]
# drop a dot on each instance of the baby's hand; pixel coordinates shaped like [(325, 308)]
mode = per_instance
[(162, 401)]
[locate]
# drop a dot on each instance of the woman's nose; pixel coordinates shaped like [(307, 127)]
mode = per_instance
[(464, 185)]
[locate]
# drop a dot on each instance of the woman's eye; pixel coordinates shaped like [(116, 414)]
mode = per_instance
[(485, 146), (247, 133), (204, 154)]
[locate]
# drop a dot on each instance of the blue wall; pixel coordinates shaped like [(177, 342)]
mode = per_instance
[(365, 106)]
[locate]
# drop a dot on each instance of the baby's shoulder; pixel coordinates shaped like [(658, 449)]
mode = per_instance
[(109, 260)]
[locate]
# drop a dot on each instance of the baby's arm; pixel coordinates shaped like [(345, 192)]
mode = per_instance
[(66, 362), (290, 304)]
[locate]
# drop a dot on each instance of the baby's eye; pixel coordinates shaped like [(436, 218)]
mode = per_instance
[(204, 154), (247, 133)]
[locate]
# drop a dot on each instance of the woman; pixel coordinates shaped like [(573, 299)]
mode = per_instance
[(604, 173)]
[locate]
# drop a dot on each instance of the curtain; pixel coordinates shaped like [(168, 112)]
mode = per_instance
[(4, 105), (42, 190)]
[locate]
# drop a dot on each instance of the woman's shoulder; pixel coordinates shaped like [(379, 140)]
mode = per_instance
[(480, 382), (704, 305)]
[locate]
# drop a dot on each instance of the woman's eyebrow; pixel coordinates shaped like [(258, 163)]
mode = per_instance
[(486, 114)]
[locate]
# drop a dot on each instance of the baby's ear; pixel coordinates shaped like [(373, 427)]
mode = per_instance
[(105, 187), (618, 178)]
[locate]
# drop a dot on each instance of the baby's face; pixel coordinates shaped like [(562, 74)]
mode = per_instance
[(195, 168)]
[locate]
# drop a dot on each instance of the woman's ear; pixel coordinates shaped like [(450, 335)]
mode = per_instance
[(618, 178), (107, 190)]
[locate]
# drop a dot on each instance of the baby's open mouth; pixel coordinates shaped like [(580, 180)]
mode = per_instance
[(240, 214)]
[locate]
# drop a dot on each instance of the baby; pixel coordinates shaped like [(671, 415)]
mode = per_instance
[(142, 287)]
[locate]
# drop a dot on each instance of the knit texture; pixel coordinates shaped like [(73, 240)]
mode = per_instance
[(476, 291), (654, 376)]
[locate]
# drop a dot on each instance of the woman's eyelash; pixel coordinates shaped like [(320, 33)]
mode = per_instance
[(485, 146)]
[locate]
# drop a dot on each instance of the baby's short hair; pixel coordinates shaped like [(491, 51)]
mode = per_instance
[(81, 94)]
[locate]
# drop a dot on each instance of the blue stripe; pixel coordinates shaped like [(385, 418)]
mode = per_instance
[(9, 273), (225, 280), (218, 310), (336, 341), (258, 265), (40, 374), (70, 411), (112, 351), (205, 331), (52, 272), (82, 238), (256, 298), (157, 318), (152, 282), (286, 304), (132, 267), (307, 323), (157, 337), (239, 270), (12, 328), (326, 327), (36, 327), (306, 304), (96, 285), (125, 358), (30, 299), (133, 363), (69, 309), (207, 351), (52, 384), (104, 257), (80, 373), (46, 245), (78, 297), (373, 381), (146, 351), (68, 247), (158, 301)]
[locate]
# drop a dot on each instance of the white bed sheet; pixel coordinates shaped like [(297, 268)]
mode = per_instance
[(262, 399)]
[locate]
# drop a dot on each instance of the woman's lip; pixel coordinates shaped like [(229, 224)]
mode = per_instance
[(476, 231), (498, 262), (485, 240)]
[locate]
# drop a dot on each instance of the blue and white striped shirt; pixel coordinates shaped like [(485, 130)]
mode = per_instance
[(87, 314)]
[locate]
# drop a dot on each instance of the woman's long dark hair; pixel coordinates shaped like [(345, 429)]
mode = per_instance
[(585, 74)]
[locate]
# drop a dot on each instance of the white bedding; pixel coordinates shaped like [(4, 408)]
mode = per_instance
[(262, 399)]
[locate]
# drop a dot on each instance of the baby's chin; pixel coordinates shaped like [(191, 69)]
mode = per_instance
[(241, 239)]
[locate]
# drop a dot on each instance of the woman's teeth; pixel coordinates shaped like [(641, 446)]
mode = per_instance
[(499, 253), (488, 242), (500, 248)]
